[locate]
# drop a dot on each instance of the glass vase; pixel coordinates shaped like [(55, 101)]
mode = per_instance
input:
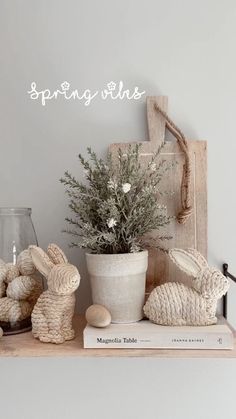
[(16, 234)]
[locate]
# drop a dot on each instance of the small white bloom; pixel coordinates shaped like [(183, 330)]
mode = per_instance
[(153, 167), (111, 222), (111, 184), (126, 187)]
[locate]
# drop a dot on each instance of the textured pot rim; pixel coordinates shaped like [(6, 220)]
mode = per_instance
[(117, 255)]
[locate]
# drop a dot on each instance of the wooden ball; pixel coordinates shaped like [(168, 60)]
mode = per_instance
[(21, 288), (25, 263), (12, 272), (98, 316)]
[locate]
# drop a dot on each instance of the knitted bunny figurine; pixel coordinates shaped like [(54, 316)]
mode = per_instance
[(53, 312), (176, 304)]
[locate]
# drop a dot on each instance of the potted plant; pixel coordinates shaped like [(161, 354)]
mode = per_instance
[(114, 210)]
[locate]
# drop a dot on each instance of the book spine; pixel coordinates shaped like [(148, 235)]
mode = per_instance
[(173, 341)]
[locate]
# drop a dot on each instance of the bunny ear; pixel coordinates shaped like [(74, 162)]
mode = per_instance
[(56, 254), (203, 262), (41, 260), (186, 261)]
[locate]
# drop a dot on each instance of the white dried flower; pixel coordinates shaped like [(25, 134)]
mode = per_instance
[(153, 167), (111, 222), (126, 187), (111, 184)]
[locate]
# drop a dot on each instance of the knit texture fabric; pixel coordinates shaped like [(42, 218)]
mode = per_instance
[(52, 314), (174, 304), (52, 317)]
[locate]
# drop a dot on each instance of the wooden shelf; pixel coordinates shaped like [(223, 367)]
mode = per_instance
[(24, 345)]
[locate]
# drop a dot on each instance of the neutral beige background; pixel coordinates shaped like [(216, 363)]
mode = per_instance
[(184, 49)]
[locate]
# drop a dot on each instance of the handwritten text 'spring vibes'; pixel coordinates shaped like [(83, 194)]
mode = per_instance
[(114, 91)]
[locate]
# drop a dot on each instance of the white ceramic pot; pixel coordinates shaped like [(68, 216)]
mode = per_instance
[(118, 283)]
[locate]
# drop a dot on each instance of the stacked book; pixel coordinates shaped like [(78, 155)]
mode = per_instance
[(145, 334)]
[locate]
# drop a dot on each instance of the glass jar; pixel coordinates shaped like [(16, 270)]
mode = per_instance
[(16, 234)]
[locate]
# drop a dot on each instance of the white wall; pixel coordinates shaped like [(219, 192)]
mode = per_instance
[(184, 49), (117, 389)]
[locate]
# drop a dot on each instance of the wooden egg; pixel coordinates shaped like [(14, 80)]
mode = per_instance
[(98, 316), (25, 263), (12, 272)]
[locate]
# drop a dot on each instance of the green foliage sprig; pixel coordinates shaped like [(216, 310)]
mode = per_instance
[(118, 206)]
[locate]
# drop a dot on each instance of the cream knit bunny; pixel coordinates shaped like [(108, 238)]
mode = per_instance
[(53, 312), (177, 304)]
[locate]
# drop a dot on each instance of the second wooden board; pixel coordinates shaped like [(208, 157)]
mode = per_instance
[(194, 232)]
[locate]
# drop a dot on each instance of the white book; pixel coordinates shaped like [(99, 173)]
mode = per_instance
[(145, 334)]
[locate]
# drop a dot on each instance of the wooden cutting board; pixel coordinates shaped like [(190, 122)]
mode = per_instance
[(194, 232)]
